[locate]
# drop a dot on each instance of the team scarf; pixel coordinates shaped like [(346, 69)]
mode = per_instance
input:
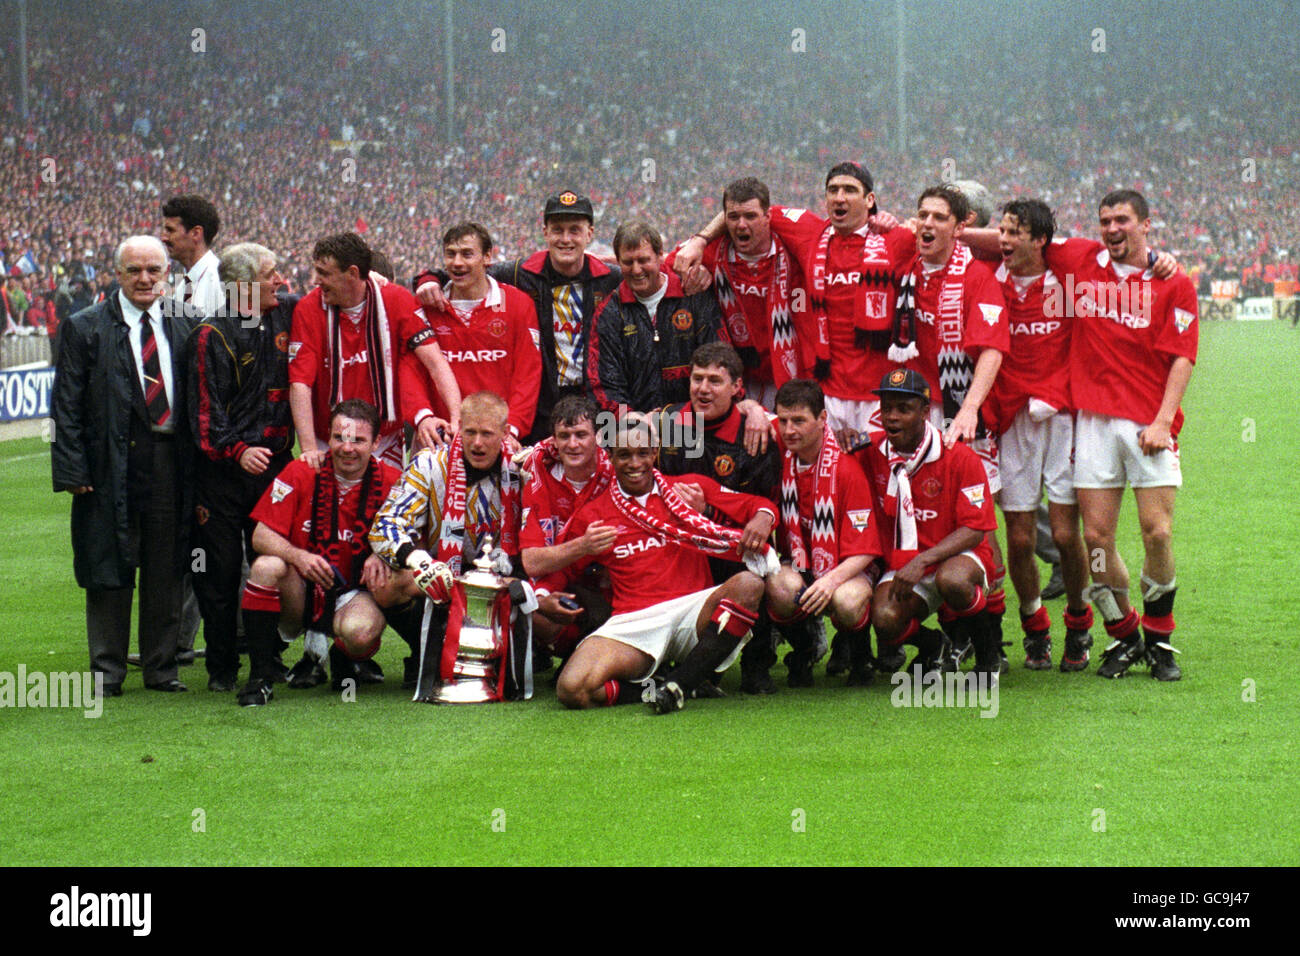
[(451, 540), (956, 370), (374, 322), (689, 528), (898, 495), (785, 359), (825, 520), (542, 457), (345, 555), (869, 331)]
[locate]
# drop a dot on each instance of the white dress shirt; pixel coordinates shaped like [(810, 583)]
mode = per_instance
[(132, 316), (208, 295)]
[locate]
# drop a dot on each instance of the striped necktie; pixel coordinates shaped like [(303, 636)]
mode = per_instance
[(155, 392)]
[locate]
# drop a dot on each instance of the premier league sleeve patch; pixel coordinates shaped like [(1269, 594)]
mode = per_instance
[(280, 490), (859, 518), (293, 350), (990, 312), (974, 494), (1183, 319)]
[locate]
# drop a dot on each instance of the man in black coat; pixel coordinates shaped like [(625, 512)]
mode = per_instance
[(121, 448), (565, 284)]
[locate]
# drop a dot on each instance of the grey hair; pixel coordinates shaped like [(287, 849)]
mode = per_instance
[(144, 240), (978, 198), (242, 262)]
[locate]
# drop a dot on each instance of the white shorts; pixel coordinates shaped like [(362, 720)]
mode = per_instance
[(1107, 455), (764, 394), (665, 631), (986, 450), (392, 449), (926, 590), (1037, 453)]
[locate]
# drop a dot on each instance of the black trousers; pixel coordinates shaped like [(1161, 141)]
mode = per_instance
[(108, 612), (224, 495)]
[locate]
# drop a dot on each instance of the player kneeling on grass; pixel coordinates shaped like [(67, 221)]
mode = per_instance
[(666, 607), (315, 568), (935, 510), (829, 532)]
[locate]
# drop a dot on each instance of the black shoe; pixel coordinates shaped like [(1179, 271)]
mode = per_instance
[(112, 690), (708, 691), (932, 649), (757, 682), (256, 693), (172, 686), (838, 662), (221, 685), (891, 659), (860, 675), (1004, 665), (1055, 585), (1077, 644), (801, 673), (307, 673), (410, 671), (1119, 656), (369, 672), (1038, 651), (1161, 658), (958, 651), (664, 698)]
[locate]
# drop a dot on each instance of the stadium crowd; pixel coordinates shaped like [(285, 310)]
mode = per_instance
[(118, 120)]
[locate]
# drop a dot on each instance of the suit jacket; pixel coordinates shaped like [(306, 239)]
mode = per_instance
[(102, 439)]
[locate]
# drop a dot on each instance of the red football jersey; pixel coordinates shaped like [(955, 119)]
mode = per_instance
[(983, 322), (1127, 331), (854, 371), (495, 350), (1038, 362), (645, 568), (309, 358), (855, 524), (285, 506), (948, 494), (549, 501)]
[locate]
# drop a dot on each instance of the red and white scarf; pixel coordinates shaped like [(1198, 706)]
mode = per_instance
[(898, 502), (451, 540), (374, 322), (877, 277), (689, 528), (825, 521), (543, 457), (785, 358)]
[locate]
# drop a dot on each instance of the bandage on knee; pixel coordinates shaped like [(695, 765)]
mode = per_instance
[(1103, 596)]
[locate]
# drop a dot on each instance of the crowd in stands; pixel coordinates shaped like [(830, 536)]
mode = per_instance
[(299, 124)]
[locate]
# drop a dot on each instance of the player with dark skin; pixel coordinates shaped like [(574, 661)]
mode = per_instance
[(958, 576), (600, 659)]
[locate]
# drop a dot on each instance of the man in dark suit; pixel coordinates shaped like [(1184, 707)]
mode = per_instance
[(119, 401)]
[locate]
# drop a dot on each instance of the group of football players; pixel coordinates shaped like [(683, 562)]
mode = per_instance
[(691, 455)]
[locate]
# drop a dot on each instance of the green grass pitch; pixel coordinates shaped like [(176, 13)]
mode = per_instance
[(1184, 774)]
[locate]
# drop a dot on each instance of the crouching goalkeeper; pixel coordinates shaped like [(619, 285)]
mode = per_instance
[(439, 513)]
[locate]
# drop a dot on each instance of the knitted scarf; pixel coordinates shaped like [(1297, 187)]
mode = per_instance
[(345, 554), (898, 496), (374, 321), (689, 528), (785, 359), (825, 520), (956, 370), (543, 457), (870, 308), (451, 539)]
